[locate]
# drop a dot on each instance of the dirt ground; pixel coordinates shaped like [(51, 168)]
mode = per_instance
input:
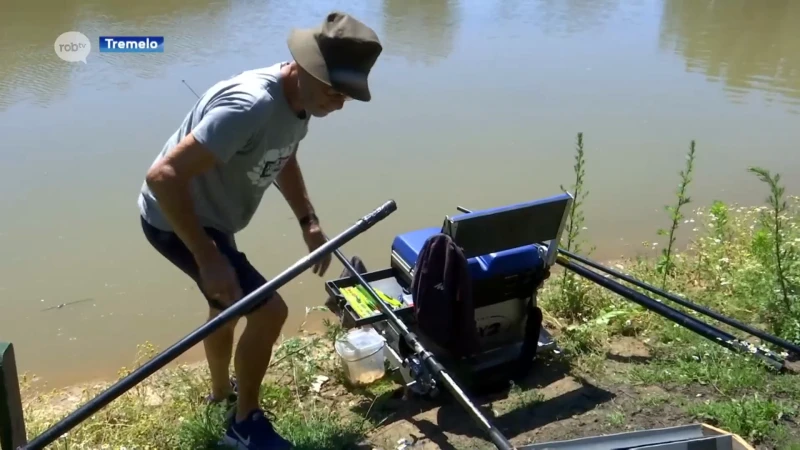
[(553, 404)]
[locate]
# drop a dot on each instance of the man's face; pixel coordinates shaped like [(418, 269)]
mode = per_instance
[(318, 98)]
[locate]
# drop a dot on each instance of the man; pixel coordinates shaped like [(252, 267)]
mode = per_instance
[(205, 185)]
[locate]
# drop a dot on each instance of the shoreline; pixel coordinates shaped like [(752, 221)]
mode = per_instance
[(39, 386)]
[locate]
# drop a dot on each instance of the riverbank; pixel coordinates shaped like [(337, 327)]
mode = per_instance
[(622, 367)]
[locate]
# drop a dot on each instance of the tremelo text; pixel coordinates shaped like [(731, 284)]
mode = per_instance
[(132, 44)]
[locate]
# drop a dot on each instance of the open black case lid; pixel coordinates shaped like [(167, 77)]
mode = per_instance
[(498, 229)]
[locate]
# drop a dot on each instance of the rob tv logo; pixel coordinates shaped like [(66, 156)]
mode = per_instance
[(72, 46)]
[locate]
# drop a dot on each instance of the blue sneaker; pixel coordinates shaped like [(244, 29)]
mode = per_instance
[(254, 433)]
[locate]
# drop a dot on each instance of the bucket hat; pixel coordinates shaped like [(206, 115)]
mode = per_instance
[(340, 53)]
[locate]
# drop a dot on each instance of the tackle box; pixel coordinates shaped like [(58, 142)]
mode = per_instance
[(382, 280)]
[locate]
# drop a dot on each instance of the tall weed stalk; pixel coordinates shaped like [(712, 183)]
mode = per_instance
[(781, 257), (665, 265), (573, 290)]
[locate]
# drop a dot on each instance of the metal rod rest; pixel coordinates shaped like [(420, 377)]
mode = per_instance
[(165, 357)]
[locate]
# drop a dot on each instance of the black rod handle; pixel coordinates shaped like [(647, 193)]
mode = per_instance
[(380, 213)]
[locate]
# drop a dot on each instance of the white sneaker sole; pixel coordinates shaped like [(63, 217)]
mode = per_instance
[(232, 443)]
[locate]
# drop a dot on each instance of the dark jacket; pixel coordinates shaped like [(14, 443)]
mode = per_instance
[(442, 292)]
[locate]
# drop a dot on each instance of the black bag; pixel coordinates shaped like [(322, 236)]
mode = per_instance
[(442, 292)]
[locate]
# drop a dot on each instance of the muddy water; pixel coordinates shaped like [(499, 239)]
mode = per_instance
[(476, 103)]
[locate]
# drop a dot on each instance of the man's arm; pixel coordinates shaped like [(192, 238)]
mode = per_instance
[(220, 134), (169, 180), (290, 182)]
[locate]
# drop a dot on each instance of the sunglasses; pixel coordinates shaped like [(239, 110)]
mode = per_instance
[(333, 93)]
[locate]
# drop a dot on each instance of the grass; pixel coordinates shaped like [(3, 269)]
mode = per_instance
[(167, 410), (741, 261)]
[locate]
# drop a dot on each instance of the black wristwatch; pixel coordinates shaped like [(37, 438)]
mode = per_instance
[(308, 220)]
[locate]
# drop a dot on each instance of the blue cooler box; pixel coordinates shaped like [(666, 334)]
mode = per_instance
[(503, 283)]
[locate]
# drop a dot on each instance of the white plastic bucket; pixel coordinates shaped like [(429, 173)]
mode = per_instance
[(361, 352)]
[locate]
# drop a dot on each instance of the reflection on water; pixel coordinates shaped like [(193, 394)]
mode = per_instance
[(420, 30), (576, 16), (31, 70), (28, 66), (750, 45)]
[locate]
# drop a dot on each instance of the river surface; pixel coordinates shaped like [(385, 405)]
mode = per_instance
[(475, 103)]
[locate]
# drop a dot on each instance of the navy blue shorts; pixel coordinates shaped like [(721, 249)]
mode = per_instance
[(172, 247)]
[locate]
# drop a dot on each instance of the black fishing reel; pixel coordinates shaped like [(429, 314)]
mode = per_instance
[(424, 383)]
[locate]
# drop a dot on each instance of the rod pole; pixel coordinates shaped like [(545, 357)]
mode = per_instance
[(691, 305), (708, 331), (165, 357)]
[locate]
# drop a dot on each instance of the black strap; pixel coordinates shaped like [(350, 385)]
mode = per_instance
[(533, 327), (308, 220)]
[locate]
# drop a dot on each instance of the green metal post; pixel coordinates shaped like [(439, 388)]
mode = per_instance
[(12, 422)]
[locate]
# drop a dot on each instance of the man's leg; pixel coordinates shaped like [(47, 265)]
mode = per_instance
[(250, 428), (219, 349), (219, 345), (254, 352)]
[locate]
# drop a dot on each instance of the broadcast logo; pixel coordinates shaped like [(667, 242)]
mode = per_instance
[(131, 44), (73, 46)]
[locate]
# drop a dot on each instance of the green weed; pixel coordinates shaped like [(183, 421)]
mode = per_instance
[(572, 303), (665, 264), (752, 417)]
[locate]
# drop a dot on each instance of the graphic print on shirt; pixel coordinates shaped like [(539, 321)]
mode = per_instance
[(269, 165)]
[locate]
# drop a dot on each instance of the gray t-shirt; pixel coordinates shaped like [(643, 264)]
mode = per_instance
[(247, 123)]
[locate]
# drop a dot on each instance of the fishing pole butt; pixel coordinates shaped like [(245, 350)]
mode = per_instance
[(380, 213)]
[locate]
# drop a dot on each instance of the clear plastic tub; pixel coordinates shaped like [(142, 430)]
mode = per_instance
[(361, 352)]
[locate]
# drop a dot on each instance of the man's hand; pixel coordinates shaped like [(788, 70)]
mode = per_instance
[(314, 237), (218, 279)]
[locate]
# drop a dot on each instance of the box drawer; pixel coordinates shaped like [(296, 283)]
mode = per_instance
[(382, 280)]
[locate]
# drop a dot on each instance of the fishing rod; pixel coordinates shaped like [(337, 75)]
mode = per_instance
[(681, 301), (137, 376), (428, 359), (190, 88), (704, 329)]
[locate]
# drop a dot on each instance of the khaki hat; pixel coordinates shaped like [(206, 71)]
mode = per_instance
[(340, 53)]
